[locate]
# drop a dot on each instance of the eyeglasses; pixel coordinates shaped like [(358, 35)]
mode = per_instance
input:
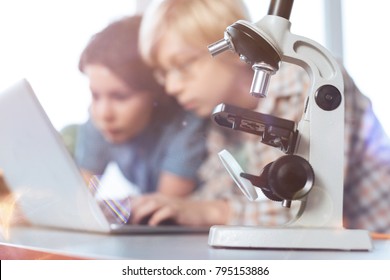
[(182, 70)]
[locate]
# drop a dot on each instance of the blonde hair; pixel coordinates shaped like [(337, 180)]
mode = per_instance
[(198, 22)]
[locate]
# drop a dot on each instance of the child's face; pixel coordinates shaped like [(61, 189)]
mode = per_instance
[(119, 112), (193, 77)]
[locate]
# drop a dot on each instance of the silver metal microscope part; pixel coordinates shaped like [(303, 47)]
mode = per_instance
[(261, 79), (286, 203), (222, 45), (244, 59)]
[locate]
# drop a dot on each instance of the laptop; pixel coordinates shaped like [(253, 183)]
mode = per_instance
[(39, 169)]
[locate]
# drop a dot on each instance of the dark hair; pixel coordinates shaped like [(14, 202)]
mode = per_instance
[(116, 47)]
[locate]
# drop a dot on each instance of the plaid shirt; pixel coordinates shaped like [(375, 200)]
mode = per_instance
[(367, 158)]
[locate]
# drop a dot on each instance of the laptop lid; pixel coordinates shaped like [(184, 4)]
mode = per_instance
[(38, 168)]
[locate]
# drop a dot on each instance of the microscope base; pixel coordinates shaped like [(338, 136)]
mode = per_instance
[(289, 238)]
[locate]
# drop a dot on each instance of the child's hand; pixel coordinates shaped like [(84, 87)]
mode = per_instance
[(158, 209)]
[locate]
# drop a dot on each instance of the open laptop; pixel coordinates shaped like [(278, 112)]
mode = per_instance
[(41, 172)]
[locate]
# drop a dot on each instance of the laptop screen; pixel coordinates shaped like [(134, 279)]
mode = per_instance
[(39, 169)]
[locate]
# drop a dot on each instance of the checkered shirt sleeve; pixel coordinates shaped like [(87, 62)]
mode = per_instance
[(367, 170)]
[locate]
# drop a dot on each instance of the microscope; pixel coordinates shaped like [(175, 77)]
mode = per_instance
[(311, 171)]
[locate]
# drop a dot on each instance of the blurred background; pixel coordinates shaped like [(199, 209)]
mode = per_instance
[(41, 40)]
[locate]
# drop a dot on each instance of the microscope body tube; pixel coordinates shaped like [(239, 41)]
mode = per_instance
[(281, 8)]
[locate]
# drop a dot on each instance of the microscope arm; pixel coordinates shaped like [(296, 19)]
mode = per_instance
[(319, 137), (321, 129)]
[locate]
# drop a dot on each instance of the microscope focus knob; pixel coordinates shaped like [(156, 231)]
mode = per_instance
[(328, 97), (291, 177)]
